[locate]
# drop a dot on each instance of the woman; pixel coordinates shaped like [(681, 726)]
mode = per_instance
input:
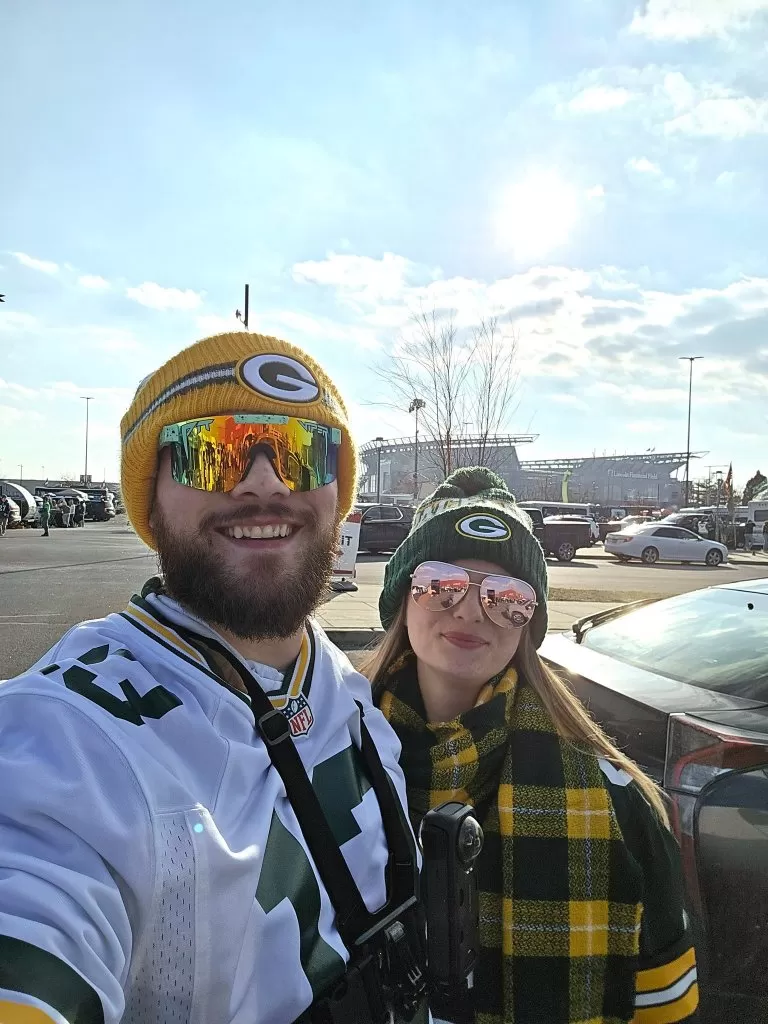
[(581, 900)]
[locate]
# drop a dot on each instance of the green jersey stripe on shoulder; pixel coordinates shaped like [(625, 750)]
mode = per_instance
[(35, 972)]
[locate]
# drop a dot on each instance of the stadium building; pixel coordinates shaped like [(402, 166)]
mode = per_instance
[(400, 467)]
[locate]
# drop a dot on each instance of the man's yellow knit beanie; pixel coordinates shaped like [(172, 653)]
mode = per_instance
[(228, 373)]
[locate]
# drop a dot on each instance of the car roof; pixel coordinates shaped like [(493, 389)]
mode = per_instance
[(748, 586)]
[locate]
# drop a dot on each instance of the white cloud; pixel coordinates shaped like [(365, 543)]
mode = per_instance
[(596, 99), (12, 321), (726, 179), (694, 19), (44, 266), (571, 326), (371, 278), (212, 323), (725, 117), (93, 281), (12, 390), (641, 165), (663, 100), (596, 192), (157, 297)]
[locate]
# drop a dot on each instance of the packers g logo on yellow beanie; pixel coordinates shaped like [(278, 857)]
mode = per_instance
[(227, 373)]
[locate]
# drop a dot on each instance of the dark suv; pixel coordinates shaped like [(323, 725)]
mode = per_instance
[(384, 527)]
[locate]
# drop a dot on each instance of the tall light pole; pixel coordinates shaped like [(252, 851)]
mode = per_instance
[(378, 468), (87, 399), (21, 474), (379, 441), (719, 478), (691, 361), (415, 406)]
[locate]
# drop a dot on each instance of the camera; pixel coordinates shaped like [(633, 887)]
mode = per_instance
[(451, 840)]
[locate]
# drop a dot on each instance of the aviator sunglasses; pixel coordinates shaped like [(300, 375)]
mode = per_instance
[(214, 453), (439, 586)]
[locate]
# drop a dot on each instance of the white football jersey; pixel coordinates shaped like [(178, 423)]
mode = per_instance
[(152, 870)]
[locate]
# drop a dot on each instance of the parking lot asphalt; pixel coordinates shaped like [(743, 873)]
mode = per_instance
[(48, 584)]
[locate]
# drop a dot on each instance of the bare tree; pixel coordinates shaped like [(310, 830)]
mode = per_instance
[(433, 363), (467, 380), (492, 386)]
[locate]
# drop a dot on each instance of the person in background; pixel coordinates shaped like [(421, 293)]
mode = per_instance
[(749, 530), (45, 516), (66, 513), (79, 514), (765, 537), (72, 506), (580, 882), (5, 514)]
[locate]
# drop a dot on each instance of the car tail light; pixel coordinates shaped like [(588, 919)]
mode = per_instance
[(697, 754), (615, 539)]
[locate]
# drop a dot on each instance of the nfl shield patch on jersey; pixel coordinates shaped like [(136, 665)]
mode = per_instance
[(299, 715)]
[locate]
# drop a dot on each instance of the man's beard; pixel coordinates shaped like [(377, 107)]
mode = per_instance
[(263, 606)]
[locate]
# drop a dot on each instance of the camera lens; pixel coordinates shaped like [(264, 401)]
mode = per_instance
[(470, 840)]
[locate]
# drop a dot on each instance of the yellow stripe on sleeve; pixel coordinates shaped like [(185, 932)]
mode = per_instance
[(669, 1013), (667, 974), (20, 1013)]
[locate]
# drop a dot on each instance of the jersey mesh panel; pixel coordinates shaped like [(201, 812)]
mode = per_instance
[(161, 987)]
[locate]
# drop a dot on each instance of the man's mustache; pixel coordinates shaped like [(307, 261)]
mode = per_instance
[(274, 509)]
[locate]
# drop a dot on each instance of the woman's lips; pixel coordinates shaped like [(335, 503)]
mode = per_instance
[(466, 641)]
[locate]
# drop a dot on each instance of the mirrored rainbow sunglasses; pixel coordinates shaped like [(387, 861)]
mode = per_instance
[(214, 453)]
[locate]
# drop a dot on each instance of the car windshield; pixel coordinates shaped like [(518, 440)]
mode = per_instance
[(716, 639)]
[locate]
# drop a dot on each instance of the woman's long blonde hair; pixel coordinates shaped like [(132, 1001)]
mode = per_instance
[(571, 719)]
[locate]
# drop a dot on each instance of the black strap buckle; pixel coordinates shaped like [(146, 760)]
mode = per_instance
[(405, 974), (274, 727), (356, 997)]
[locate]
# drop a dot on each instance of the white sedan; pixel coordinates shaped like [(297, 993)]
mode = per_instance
[(656, 542)]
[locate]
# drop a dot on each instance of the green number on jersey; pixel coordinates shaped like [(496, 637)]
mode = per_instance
[(287, 873)]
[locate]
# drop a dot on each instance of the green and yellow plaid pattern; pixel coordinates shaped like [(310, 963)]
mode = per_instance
[(560, 896)]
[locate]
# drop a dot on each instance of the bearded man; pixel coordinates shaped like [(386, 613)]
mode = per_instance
[(164, 856)]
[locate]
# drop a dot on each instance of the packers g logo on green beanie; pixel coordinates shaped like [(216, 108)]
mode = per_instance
[(483, 527), (470, 515)]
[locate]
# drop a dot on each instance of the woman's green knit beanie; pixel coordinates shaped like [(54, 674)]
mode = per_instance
[(472, 514)]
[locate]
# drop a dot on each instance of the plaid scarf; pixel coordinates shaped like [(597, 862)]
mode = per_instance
[(559, 893)]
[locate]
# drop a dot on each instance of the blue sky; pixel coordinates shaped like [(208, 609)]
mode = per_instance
[(591, 172)]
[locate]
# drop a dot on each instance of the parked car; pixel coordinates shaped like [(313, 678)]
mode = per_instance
[(594, 529), (558, 535), (681, 685), (658, 542), (384, 527), (635, 521), (99, 509)]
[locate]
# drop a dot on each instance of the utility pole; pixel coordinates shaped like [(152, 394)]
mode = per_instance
[(415, 406), (21, 474), (378, 469), (243, 317), (691, 361), (87, 399)]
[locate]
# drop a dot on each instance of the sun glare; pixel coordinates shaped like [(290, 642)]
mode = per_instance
[(537, 215)]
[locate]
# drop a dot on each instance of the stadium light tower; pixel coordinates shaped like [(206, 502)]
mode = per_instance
[(691, 361), (379, 441), (415, 406), (87, 399)]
